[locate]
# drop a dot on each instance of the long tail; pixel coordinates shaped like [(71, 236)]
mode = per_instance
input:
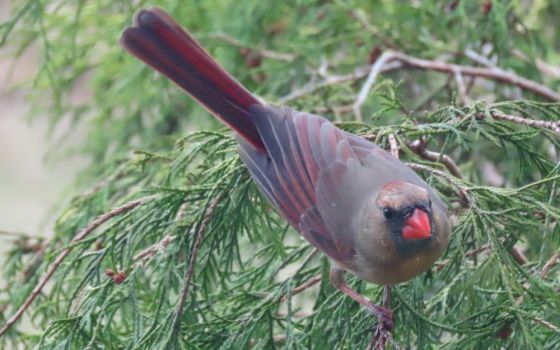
[(160, 42)]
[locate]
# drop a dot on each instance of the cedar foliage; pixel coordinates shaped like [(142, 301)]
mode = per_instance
[(198, 198)]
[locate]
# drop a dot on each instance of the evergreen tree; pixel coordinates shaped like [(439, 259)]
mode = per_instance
[(168, 244)]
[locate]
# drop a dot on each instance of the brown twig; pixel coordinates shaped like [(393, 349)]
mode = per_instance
[(54, 266), (496, 73), (480, 59), (142, 258), (547, 324), (200, 233), (393, 146), (35, 261), (553, 260), (468, 254), (386, 63), (374, 72), (330, 80), (419, 147), (307, 284), (518, 256), (515, 253), (463, 96), (542, 124), (461, 189), (280, 56)]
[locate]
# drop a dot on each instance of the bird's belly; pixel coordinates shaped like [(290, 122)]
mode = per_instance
[(394, 272)]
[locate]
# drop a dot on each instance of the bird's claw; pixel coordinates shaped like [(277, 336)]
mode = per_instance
[(384, 327), (384, 317)]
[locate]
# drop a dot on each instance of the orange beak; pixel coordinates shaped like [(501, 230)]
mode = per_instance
[(417, 226)]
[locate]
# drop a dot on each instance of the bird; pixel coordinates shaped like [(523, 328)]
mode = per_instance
[(368, 212)]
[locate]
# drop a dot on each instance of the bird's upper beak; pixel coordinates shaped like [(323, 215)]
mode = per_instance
[(417, 226)]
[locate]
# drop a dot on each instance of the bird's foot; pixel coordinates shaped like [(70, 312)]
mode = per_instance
[(384, 327), (384, 316)]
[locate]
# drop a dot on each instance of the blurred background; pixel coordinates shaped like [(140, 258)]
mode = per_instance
[(30, 183)]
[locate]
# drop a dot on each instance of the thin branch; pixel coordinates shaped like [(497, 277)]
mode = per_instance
[(35, 261), (194, 252), (142, 258), (468, 254), (518, 256), (545, 68), (550, 263), (480, 59), (374, 72), (330, 80), (497, 74), (547, 324), (542, 124), (19, 234), (515, 253), (55, 265), (419, 147), (385, 63), (305, 285), (393, 146), (280, 56), (463, 191), (463, 96)]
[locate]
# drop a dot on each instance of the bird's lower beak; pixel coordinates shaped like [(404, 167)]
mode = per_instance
[(417, 226)]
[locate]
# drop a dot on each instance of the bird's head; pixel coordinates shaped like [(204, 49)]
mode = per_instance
[(406, 209), (403, 229)]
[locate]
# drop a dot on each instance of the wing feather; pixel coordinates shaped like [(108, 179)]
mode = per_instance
[(309, 173)]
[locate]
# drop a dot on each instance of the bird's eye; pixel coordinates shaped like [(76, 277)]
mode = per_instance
[(388, 213)]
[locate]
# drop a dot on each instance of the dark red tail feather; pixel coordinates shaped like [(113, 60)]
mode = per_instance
[(160, 42)]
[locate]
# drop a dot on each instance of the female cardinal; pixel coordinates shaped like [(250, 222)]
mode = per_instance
[(367, 211)]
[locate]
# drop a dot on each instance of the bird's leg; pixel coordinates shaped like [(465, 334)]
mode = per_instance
[(382, 332), (384, 315)]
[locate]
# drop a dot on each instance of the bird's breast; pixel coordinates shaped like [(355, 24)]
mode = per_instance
[(393, 270)]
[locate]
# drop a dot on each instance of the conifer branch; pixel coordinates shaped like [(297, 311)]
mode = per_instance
[(142, 258), (242, 241), (200, 233), (385, 63), (542, 124), (60, 258), (489, 73), (302, 287), (419, 147), (462, 190)]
